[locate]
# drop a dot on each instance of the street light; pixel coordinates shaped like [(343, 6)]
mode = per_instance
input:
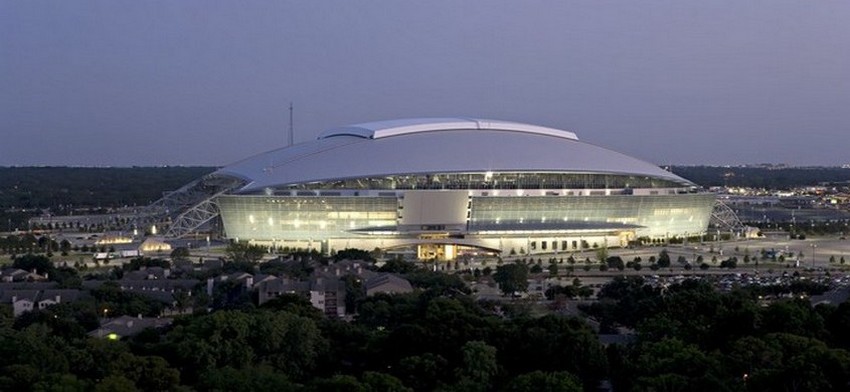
[(814, 246)]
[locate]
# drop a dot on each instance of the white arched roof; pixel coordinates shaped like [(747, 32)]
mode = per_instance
[(445, 145), (389, 128)]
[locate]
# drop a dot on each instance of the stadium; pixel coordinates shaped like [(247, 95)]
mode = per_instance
[(448, 186)]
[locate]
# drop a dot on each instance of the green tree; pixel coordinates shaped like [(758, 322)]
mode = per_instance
[(30, 262), (479, 363), (792, 316), (671, 364), (65, 247), (337, 383), (730, 263), (354, 292), (615, 262), (242, 252), (538, 381), (602, 254), (512, 278), (781, 362), (115, 383), (532, 344), (353, 254), (398, 266), (422, 372), (245, 379), (382, 382), (180, 253), (154, 374), (288, 342), (664, 259)]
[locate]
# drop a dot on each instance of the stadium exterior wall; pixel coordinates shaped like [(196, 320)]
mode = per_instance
[(499, 223), (457, 183)]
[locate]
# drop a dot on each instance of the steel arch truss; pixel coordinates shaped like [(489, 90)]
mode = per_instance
[(194, 217), (188, 208), (723, 218)]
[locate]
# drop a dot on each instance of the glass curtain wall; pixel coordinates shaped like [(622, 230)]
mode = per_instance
[(498, 180), (664, 215), (301, 218)]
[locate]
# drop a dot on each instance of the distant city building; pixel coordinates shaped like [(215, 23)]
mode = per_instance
[(450, 186)]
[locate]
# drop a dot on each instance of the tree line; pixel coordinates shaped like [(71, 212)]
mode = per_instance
[(687, 336), (758, 177), (63, 189), (691, 337)]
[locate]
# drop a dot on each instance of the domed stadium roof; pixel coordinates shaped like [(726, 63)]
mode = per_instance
[(434, 145)]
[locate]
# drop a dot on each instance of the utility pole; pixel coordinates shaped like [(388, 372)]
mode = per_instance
[(291, 127)]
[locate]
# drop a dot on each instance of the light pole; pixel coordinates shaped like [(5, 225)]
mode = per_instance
[(814, 246)]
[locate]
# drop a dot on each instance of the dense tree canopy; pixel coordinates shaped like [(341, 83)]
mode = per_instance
[(688, 337), (25, 189), (512, 278), (239, 252), (691, 337), (757, 177), (44, 187)]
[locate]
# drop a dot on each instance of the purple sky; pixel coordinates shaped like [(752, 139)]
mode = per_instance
[(122, 83)]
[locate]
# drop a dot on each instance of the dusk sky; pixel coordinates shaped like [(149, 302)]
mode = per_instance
[(141, 83)]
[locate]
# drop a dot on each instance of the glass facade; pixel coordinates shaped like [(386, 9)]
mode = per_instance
[(497, 180), (609, 205), (659, 216), (317, 218), (303, 218)]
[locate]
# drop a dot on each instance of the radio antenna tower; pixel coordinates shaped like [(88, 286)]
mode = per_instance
[(291, 127)]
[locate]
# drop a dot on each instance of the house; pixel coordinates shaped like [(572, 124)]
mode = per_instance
[(42, 285), (148, 273), (260, 278), (125, 326), (53, 297), (183, 266), (345, 267), (26, 300), (167, 285), (327, 295), (273, 288), (387, 284), (19, 275), (23, 301), (212, 264), (244, 279), (167, 291)]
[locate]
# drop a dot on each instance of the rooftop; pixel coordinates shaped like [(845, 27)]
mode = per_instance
[(382, 129)]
